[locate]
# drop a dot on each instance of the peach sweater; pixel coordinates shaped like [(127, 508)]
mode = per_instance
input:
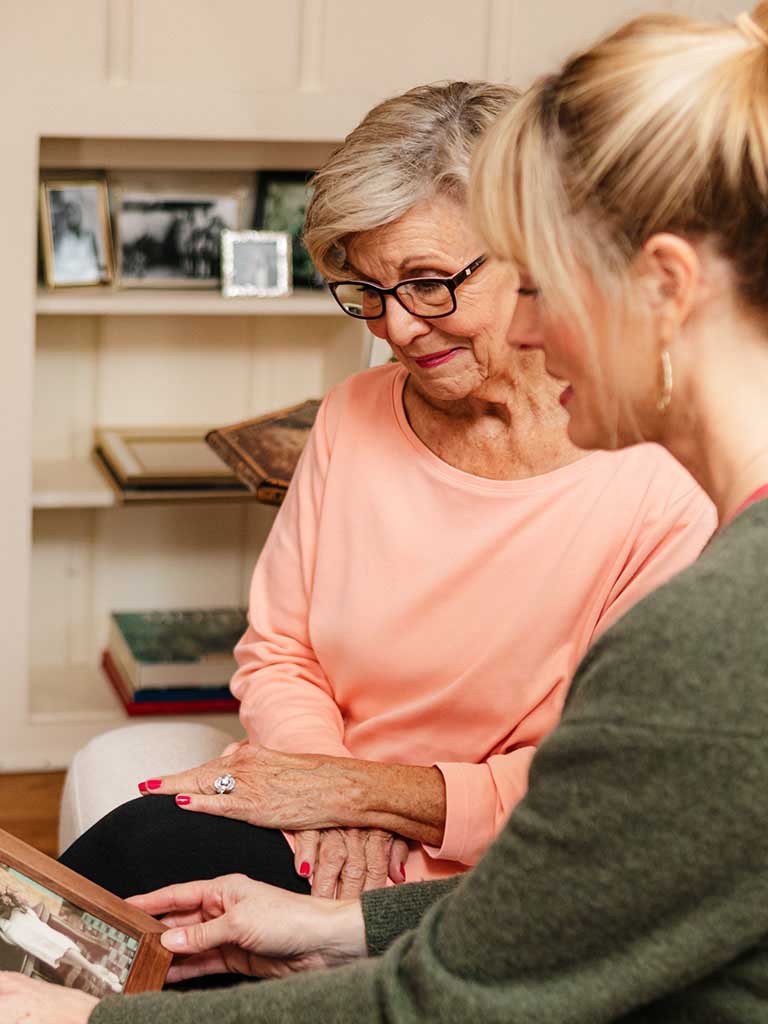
[(407, 612)]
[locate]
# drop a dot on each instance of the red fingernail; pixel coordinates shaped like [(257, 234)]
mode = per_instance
[(402, 869), (142, 787), (154, 783), (182, 801), (305, 869)]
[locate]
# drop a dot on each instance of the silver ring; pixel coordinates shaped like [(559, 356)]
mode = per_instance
[(224, 784)]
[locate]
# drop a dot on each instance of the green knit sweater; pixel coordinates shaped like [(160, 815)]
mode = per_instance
[(632, 882)]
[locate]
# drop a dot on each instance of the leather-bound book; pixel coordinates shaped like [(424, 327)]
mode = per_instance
[(263, 452)]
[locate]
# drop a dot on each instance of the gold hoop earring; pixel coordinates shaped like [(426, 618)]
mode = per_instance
[(665, 398)]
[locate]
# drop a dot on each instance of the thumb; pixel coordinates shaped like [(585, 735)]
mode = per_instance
[(198, 938)]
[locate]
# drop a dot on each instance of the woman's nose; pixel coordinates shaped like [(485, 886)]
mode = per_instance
[(398, 326), (526, 327)]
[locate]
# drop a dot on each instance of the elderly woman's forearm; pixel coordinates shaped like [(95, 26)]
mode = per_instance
[(407, 799)]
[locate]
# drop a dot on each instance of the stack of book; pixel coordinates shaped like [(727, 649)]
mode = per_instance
[(165, 464), (174, 662)]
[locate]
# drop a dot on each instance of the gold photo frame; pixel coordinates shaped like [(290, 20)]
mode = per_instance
[(58, 926), (75, 233)]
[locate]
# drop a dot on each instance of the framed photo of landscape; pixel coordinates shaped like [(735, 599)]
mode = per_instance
[(59, 927), (75, 233), (282, 198), (171, 238)]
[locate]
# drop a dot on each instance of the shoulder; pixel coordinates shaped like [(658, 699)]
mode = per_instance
[(694, 653), (650, 473), (366, 397)]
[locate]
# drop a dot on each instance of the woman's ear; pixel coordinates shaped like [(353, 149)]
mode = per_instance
[(670, 272)]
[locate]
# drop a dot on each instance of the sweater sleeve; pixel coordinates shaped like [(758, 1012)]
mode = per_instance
[(287, 701), (633, 870)]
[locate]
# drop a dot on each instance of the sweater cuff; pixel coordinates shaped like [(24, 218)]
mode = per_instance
[(470, 812), (390, 912)]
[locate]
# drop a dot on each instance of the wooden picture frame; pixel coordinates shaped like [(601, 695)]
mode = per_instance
[(75, 233), (78, 935)]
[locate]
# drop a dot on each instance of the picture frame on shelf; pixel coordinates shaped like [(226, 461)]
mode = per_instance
[(256, 263), (75, 234), (282, 198), (61, 928), (171, 238)]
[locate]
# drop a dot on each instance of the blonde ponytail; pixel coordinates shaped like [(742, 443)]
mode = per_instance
[(661, 126)]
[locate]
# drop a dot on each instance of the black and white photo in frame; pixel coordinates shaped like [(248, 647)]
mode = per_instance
[(256, 263), (75, 232), (172, 239)]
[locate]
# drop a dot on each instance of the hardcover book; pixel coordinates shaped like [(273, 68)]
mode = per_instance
[(171, 700), (180, 648), (263, 452)]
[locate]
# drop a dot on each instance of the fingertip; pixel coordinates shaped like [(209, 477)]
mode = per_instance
[(183, 801), (174, 940), (305, 869)]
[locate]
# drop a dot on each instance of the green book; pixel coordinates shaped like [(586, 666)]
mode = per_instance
[(184, 648)]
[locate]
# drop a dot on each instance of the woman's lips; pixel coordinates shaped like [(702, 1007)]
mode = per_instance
[(566, 396), (436, 358)]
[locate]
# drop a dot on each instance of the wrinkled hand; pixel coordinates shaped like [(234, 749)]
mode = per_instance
[(274, 790), (345, 862), (233, 924), (27, 1000)]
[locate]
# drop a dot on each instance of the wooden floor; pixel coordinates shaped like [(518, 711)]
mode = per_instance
[(29, 808)]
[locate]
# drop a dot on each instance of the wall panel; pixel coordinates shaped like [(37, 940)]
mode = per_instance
[(240, 44), (388, 48)]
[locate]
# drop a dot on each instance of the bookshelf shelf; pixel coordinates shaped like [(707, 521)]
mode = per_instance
[(181, 302), (80, 693), (70, 483)]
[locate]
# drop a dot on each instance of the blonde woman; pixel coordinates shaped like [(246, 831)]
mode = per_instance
[(443, 560), (630, 884)]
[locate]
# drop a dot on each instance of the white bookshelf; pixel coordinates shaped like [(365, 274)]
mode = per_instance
[(70, 483), (109, 301)]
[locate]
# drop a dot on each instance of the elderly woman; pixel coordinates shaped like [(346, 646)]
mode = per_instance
[(630, 884), (444, 558)]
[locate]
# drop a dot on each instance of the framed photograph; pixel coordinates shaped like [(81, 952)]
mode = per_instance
[(256, 263), (75, 233), (172, 239), (59, 927), (281, 205)]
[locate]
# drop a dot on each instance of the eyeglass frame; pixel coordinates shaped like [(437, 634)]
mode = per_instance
[(451, 283)]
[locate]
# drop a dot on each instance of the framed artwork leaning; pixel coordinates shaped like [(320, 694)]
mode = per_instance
[(75, 234), (59, 927), (281, 205)]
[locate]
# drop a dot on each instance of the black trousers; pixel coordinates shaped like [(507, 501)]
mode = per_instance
[(149, 842)]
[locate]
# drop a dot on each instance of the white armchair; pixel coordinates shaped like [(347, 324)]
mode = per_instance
[(106, 771)]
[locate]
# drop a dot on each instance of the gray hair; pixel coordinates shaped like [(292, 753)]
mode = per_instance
[(406, 150)]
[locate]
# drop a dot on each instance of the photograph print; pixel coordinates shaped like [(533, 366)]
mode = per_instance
[(256, 263), (76, 238), (47, 937), (281, 205), (172, 240)]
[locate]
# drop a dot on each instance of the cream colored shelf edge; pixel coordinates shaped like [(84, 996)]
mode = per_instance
[(69, 483), (80, 693), (179, 302)]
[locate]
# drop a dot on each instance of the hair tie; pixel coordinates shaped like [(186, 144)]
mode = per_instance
[(750, 29)]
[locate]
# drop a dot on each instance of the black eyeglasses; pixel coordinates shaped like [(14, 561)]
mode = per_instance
[(426, 297)]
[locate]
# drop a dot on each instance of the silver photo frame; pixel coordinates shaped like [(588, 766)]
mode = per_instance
[(256, 263)]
